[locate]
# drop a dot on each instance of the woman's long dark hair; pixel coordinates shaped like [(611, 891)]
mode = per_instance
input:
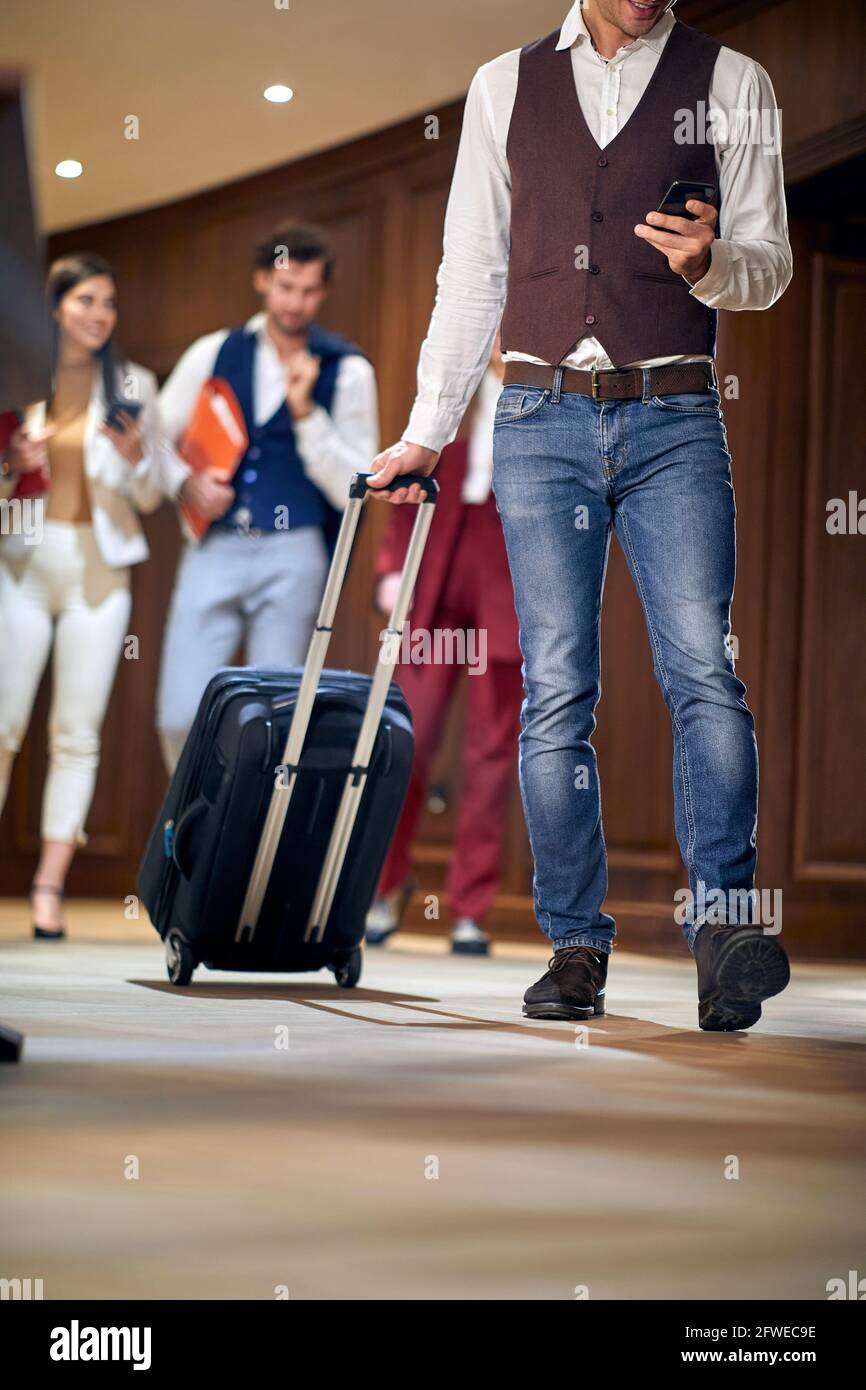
[(64, 275)]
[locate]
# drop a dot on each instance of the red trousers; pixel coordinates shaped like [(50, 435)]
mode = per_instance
[(492, 725)]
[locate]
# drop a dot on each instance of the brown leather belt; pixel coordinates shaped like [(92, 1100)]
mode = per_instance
[(623, 384)]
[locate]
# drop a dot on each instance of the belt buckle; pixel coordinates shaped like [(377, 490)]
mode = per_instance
[(595, 391)]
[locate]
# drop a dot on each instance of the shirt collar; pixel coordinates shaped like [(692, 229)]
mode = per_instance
[(574, 30), (256, 324)]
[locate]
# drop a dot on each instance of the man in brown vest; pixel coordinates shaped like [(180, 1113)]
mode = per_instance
[(610, 420)]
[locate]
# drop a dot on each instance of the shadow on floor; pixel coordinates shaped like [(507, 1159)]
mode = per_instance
[(750, 1058)]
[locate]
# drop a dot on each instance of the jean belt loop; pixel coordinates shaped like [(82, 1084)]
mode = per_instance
[(647, 390), (558, 374)]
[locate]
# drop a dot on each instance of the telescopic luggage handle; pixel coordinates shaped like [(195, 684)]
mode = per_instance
[(359, 485), (357, 777)]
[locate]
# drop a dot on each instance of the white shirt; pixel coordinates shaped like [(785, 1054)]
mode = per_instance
[(751, 257), (331, 446), (479, 465)]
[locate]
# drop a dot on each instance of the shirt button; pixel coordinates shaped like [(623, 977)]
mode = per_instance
[(602, 163), (598, 217), (593, 270), (590, 319), (255, 452), (250, 475)]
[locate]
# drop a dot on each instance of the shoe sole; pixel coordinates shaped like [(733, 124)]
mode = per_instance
[(469, 950), (563, 1011), (750, 970)]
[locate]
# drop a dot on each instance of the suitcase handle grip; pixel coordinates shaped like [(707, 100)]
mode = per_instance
[(181, 833), (358, 485)]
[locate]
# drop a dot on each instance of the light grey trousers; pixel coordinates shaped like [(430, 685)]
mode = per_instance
[(263, 589)]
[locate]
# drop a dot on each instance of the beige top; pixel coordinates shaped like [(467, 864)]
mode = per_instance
[(68, 499)]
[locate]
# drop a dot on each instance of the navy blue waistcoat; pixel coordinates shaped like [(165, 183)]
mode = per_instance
[(271, 476)]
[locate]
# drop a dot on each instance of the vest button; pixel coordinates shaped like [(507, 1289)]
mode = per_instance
[(254, 453), (602, 163), (590, 319), (250, 475), (597, 217), (593, 270)]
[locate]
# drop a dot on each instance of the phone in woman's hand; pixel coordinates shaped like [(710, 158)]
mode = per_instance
[(113, 419)]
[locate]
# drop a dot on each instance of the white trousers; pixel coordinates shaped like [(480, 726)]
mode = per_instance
[(61, 591)]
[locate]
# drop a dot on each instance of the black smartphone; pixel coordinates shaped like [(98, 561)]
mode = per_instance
[(113, 419), (674, 201)]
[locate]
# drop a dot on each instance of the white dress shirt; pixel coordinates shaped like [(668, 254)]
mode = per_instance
[(751, 257), (479, 464), (331, 446)]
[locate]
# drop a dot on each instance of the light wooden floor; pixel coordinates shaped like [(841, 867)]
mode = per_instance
[(418, 1138)]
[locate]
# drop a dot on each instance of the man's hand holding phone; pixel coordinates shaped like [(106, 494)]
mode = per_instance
[(686, 241), (391, 463)]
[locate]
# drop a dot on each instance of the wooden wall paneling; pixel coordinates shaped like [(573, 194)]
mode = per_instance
[(830, 818), (816, 59), (770, 425)]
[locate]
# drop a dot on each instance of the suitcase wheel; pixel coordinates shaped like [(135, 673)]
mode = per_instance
[(179, 959), (347, 969)]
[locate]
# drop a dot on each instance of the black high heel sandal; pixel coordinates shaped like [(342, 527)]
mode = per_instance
[(47, 933)]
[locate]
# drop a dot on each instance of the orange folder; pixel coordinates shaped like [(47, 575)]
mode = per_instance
[(215, 438)]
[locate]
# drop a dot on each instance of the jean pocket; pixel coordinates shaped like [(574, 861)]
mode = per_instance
[(519, 403), (692, 403)]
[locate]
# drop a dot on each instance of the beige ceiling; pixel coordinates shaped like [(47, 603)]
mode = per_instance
[(193, 72)]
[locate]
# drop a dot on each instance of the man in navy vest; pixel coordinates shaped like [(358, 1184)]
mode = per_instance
[(610, 420), (309, 402)]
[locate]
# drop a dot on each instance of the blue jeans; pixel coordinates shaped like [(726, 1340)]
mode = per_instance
[(566, 472)]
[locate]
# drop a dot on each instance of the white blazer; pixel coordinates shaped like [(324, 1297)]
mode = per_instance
[(117, 492)]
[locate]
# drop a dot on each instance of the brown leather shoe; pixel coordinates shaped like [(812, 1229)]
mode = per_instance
[(573, 987)]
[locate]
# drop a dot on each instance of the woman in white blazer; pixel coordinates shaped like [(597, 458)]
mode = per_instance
[(65, 555)]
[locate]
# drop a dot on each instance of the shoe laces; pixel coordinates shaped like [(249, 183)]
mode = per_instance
[(561, 958)]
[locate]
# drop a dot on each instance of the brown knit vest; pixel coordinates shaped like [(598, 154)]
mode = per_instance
[(568, 193)]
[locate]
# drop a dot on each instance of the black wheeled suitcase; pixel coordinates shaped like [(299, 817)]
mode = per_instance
[(271, 838)]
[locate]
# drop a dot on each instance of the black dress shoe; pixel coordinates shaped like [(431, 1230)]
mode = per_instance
[(738, 967), (573, 987)]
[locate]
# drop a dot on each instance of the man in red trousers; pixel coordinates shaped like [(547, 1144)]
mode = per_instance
[(464, 586)]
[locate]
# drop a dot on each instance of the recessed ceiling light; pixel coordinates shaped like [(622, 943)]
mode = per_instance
[(278, 93), (69, 169)]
